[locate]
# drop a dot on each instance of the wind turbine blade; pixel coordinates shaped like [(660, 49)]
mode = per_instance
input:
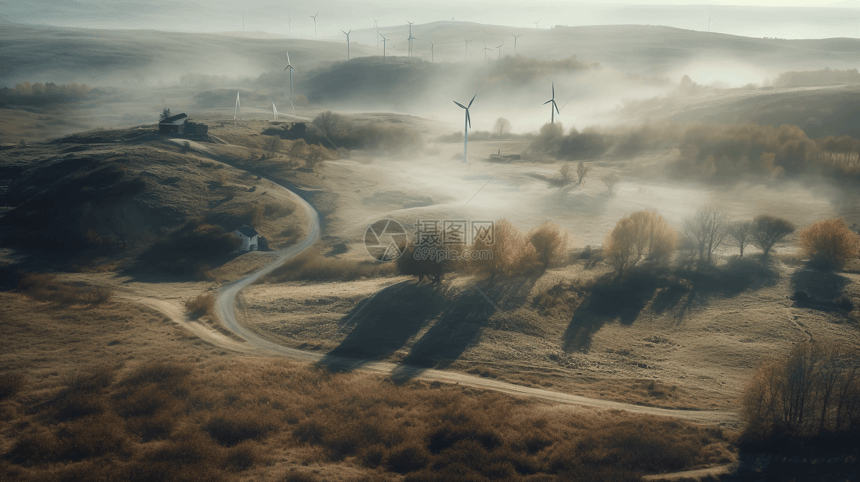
[(288, 59), (556, 107), (553, 90), (468, 119), (473, 100), (461, 105), (547, 102)]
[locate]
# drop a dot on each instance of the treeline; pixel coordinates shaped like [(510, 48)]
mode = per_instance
[(42, 94), (716, 152), (336, 132)]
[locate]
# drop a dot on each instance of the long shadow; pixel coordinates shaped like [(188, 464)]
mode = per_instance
[(459, 326), (817, 288), (383, 323), (623, 298)]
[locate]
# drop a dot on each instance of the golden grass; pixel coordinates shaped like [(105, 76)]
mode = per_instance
[(46, 287), (202, 416)]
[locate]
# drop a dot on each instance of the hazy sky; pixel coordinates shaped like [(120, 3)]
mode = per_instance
[(776, 18)]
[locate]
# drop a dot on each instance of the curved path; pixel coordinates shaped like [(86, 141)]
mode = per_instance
[(254, 343)]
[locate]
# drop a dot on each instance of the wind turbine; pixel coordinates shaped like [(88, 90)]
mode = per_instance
[(291, 69), (410, 37), (500, 50), (554, 107), (536, 24), (347, 42), (431, 50), (515, 43), (468, 124), (709, 23), (238, 106), (376, 26), (314, 16), (274, 111), (467, 47), (383, 46), (485, 52)]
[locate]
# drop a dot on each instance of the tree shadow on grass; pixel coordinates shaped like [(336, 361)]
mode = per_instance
[(819, 288), (460, 324), (623, 298), (383, 323)]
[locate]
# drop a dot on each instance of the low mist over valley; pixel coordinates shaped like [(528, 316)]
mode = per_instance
[(302, 243)]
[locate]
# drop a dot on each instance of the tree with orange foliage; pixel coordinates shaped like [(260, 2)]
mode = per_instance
[(643, 234), (831, 241)]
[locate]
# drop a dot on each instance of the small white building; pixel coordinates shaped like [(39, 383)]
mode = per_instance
[(249, 237)]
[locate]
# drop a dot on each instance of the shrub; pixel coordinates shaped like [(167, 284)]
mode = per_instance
[(512, 253), (200, 306), (231, 428), (582, 171), (567, 174), (809, 393), (550, 243), (830, 241), (429, 266), (329, 124), (408, 459), (643, 234), (769, 230)]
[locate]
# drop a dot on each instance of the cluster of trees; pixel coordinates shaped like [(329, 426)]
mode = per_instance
[(646, 235), (511, 252), (812, 392)]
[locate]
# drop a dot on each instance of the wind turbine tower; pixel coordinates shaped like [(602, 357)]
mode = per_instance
[(467, 47), (431, 50), (347, 42), (553, 108), (376, 26), (274, 111), (290, 68), (384, 40), (238, 106), (500, 50), (411, 38), (314, 16), (536, 24), (485, 52), (468, 124), (515, 43)]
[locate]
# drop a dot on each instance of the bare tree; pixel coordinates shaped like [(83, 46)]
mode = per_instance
[(314, 155), (581, 171), (768, 230), (611, 180), (707, 229), (329, 124), (164, 114), (567, 176), (503, 126), (741, 232), (273, 145)]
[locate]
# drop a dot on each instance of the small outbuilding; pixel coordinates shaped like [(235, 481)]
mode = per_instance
[(173, 124), (250, 238)]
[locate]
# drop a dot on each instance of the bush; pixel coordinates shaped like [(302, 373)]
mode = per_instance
[(643, 234), (512, 253), (611, 180), (810, 393), (428, 266), (201, 305), (550, 243), (769, 230), (229, 428), (830, 241)]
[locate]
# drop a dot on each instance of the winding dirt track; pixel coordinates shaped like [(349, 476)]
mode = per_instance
[(254, 343)]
